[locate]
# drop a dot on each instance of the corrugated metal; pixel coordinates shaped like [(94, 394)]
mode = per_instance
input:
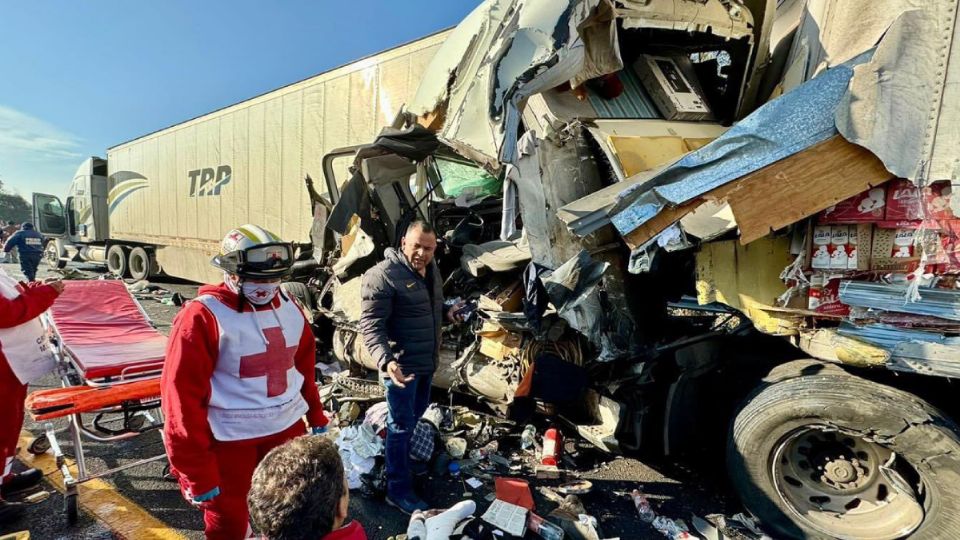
[(781, 128), (633, 103)]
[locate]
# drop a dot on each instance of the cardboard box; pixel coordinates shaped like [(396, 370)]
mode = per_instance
[(508, 298), (839, 240), (824, 295), (668, 80), (858, 246), (907, 202), (893, 251), (500, 346), (866, 207), (822, 235)]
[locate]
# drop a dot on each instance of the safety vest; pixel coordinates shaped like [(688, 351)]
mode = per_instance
[(25, 346), (255, 387)]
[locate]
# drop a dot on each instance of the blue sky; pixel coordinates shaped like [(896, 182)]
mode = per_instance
[(78, 77)]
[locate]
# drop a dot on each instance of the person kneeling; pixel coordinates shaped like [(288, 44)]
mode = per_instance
[(300, 492)]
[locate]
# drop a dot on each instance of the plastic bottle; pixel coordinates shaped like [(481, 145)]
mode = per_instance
[(551, 447), (454, 469), (543, 528), (643, 506), (527, 438)]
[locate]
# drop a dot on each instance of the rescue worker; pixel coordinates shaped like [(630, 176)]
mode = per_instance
[(238, 378), (8, 230), (401, 318), (30, 245), (25, 356)]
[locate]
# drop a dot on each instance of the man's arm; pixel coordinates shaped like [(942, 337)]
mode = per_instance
[(306, 360), (12, 242), (185, 392), (376, 303), (27, 306)]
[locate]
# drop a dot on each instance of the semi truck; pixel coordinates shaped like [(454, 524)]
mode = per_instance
[(162, 202), (712, 226)]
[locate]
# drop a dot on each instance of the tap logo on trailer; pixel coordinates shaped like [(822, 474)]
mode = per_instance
[(208, 182)]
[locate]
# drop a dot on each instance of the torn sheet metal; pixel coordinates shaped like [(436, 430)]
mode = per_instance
[(572, 289), (780, 128), (942, 303), (902, 104), (913, 351), (495, 256), (502, 53), (727, 19)]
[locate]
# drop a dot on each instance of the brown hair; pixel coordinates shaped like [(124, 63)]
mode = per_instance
[(296, 490)]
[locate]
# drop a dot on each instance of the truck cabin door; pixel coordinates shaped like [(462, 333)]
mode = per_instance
[(49, 216)]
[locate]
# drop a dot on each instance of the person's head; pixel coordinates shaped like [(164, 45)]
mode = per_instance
[(419, 244), (254, 260), (27, 226), (299, 491)]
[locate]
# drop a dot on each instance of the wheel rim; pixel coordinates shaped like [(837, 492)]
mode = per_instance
[(52, 255), (845, 486), (137, 265), (115, 260)]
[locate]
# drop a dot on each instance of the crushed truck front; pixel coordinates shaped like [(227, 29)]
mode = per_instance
[(659, 199)]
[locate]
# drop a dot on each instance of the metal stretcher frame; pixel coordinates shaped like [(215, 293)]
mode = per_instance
[(137, 418)]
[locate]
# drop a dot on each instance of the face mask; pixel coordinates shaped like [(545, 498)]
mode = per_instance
[(255, 293), (260, 293)]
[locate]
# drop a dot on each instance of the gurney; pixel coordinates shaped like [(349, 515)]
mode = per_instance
[(109, 359)]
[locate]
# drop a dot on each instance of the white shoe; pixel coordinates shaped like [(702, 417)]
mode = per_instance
[(441, 526)]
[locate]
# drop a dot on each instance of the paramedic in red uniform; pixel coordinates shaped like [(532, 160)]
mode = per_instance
[(25, 356), (238, 378)]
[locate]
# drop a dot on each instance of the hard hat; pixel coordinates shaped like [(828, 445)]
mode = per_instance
[(250, 251)]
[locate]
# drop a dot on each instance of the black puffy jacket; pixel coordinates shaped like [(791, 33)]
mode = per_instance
[(400, 315)]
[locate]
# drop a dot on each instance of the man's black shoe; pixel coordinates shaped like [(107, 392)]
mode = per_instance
[(407, 504), (16, 483)]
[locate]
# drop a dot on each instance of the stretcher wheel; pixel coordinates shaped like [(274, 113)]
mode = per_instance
[(70, 507), (39, 445)]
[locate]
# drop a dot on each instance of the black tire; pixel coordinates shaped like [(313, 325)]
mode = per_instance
[(919, 435), (70, 507), (39, 446), (51, 255), (300, 292), (117, 261), (142, 264)]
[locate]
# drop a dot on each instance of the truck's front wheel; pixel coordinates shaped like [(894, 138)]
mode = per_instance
[(51, 255), (832, 455)]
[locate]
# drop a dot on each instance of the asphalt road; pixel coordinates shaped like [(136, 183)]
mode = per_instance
[(677, 490)]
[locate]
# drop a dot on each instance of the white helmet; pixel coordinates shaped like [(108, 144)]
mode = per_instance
[(250, 251)]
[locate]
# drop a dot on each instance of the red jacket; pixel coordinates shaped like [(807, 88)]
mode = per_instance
[(192, 353), (353, 531), (34, 299)]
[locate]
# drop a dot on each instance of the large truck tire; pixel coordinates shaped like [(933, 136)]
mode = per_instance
[(142, 264), (117, 261), (51, 255), (819, 453)]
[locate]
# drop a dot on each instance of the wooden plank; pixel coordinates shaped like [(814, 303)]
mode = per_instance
[(802, 185)]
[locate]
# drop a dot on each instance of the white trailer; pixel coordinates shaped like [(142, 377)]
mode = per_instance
[(164, 200)]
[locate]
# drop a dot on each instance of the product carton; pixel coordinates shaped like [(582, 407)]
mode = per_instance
[(866, 207)]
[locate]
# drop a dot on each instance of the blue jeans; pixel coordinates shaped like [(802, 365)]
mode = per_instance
[(405, 406), (29, 263)]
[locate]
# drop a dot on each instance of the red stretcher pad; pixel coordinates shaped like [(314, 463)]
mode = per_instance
[(59, 402), (103, 329)]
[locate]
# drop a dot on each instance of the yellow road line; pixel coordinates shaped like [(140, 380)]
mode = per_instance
[(98, 498)]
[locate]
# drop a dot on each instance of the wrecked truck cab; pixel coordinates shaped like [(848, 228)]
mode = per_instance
[(559, 314), (619, 152)]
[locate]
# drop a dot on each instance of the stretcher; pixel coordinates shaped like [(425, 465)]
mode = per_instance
[(109, 359)]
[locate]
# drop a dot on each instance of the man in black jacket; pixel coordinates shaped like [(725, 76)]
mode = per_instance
[(402, 302)]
